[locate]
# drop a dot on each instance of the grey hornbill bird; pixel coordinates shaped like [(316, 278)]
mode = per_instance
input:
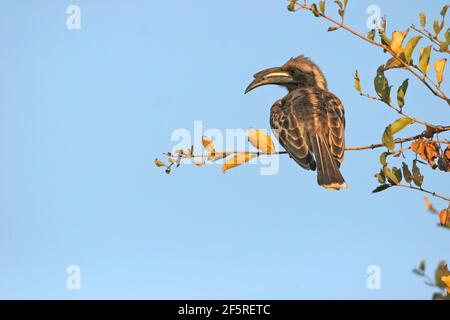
[(309, 121)]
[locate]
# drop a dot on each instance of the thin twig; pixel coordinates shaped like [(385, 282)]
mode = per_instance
[(434, 194), (438, 128)]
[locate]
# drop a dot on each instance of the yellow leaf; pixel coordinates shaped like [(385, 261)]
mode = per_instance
[(424, 60), (439, 67), (261, 140), (237, 160), (208, 144), (446, 280), (397, 41), (159, 163)]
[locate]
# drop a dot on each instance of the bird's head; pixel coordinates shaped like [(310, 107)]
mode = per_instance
[(297, 72)]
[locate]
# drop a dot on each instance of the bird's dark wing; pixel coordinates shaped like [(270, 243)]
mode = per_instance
[(291, 134), (335, 123)]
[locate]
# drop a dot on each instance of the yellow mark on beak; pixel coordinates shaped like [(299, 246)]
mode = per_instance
[(277, 74)]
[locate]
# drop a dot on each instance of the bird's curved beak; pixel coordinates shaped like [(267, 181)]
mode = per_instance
[(270, 76)]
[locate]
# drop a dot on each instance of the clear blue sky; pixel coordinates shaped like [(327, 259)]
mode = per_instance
[(83, 113)]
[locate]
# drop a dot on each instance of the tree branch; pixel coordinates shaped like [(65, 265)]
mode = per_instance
[(357, 148), (434, 194), (430, 36), (437, 91)]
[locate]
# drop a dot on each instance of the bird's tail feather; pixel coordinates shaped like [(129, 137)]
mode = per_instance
[(328, 174)]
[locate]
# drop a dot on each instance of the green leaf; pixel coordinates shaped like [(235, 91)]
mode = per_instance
[(371, 34), (424, 60), (322, 6), (417, 177), (401, 93), (391, 176), (388, 135), (443, 46), (357, 82), (385, 39), (436, 27), (382, 85), (410, 46), (444, 10), (339, 3), (423, 19), (388, 138), (398, 174), (383, 157), (381, 188), (314, 10), (440, 296), (400, 124), (341, 10), (422, 266), (447, 36), (380, 176), (383, 24), (406, 173)]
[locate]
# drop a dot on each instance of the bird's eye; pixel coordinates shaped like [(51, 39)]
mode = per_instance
[(294, 72)]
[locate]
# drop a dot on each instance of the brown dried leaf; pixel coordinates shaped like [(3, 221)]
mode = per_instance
[(429, 132), (427, 150), (431, 153), (443, 163), (447, 152)]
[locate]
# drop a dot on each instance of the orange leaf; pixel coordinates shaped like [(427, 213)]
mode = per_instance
[(432, 152), (392, 63), (446, 280), (443, 217), (237, 160), (159, 163), (429, 206), (208, 144)]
